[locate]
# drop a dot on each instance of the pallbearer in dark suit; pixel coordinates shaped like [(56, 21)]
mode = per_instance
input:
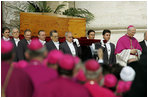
[(143, 45), (42, 36), (68, 47), (139, 84), (88, 51), (22, 45), (15, 40), (109, 49), (5, 33), (54, 43)]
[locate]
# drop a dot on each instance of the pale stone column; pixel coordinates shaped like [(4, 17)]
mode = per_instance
[(10, 17)]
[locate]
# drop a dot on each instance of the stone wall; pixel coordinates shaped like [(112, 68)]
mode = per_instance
[(116, 16), (10, 16), (113, 15)]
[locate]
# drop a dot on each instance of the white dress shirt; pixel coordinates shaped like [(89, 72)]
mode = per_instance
[(6, 39), (100, 61), (28, 41), (108, 49), (56, 44), (43, 42), (92, 47), (16, 41), (72, 49)]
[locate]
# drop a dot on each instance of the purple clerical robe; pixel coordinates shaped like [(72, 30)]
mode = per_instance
[(40, 73), (97, 91), (123, 49), (61, 87), (125, 43), (19, 84)]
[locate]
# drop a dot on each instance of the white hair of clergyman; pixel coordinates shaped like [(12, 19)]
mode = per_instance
[(34, 53), (67, 33), (129, 29), (92, 74)]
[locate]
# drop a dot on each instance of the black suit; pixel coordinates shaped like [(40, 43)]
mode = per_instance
[(86, 53), (50, 46), (139, 85), (15, 49), (65, 48), (112, 59), (22, 47), (144, 48)]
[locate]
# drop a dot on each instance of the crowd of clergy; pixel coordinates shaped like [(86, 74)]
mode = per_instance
[(35, 67)]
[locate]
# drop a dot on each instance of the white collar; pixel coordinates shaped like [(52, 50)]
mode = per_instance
[(29, 41), (41, 40), (108, 42), (6, 39), (69, 42), (88, 38), (55, 42), (16, 39)]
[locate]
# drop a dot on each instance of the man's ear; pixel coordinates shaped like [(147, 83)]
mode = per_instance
[(51, 37), (38, 36)]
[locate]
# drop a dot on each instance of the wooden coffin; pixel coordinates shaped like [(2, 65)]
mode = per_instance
[(48, 22)]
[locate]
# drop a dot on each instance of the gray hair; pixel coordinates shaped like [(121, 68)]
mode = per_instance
[(33, 53), (67, 33), (130, 28), (78, 66), (14, 29), (92, 74)]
